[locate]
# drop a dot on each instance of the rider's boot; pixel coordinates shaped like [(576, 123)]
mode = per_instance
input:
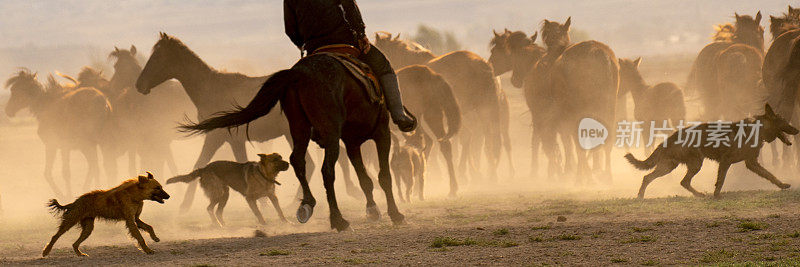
[(394, 102)]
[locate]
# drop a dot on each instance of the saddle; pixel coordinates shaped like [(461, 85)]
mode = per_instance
[(347, 56)]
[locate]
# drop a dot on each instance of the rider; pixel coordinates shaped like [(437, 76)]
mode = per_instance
[(312, 24)]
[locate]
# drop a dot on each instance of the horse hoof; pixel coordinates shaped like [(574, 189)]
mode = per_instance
[(399, 219), (373, 214), (304, 213), (340, 225)]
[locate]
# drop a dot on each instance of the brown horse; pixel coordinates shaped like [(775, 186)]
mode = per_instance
[(69, 119), (475, 88), (658, 103), (212, 91), (584, 78), (703, 76), (516, 52), (429, 94), (788, 21), (323, 103)]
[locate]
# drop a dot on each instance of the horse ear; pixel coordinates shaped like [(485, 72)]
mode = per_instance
[(637, 61), (790, 8), (566, 24), (506, 30), (768, 110), (397, 37), (495, 33), (116, 49), (758, 18), (534, 36), (133, 50), (736, 15)]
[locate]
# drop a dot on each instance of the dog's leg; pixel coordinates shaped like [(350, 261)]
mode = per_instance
[(692, 168), (663, 168), (147, 228), (210, 210), (134, 231), (252, 203), (274, 200), (66, 224), (753, 165), (87, 225), (223, 200), (721, 173)]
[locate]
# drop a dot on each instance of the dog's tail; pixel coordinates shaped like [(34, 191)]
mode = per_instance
[(185, 178), (647, 164), (56, 208)]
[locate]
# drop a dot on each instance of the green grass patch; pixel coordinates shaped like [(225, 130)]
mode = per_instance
[(535, 239), (445, 241), (619, 260), (568, 237), (501, 231), (543, 227), (641, 229), (507, 244), (650, 263), (717, 256), (747, 226), (796, 234)]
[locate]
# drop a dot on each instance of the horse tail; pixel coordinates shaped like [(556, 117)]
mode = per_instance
[(185, 178), (450, 107), (70, 78), (267, 97), (791, 79)]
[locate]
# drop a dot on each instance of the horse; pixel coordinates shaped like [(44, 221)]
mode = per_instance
[(324, 103), (69, 119), (746, 31), (429, 94), (519, 54), (211, 91), (584, 81), (475, 88), (658, 103)]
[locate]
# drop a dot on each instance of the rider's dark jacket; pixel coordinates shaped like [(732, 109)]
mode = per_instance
[(315, 23)]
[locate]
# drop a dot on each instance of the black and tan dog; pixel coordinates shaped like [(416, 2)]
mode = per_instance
[(254, 180), (121, 203), (665, 159)]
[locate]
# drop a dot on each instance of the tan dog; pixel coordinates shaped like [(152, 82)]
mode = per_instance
[(121, 203), (254, 180)]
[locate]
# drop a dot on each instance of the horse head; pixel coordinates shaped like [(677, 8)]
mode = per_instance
[(126, 68), (556, 35), (25, 90), (162, 64), (748, 30)]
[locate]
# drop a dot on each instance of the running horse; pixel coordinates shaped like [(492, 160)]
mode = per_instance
[(323, 102)]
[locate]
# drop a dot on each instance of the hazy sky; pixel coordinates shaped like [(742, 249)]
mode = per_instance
[(247, 35)]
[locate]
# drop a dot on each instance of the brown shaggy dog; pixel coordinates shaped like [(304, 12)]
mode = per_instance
[(254, 180), (121, 203)]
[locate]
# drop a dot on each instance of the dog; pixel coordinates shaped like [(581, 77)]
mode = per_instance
[(665, 158), (408, 164), (254, 180), (121, 203)]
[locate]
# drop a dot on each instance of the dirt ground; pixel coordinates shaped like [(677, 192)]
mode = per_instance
[(758, 227)]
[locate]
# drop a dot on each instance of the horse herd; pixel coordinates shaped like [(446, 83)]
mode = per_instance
[(136, 110)]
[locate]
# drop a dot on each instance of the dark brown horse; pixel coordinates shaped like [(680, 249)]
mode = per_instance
[(69, 119), (212, 91), (780, 73), (476, 90), (703, 80), (323, 103)]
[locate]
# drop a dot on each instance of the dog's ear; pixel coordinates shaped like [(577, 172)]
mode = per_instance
[(150, 175), (262, 156), (768, 110)]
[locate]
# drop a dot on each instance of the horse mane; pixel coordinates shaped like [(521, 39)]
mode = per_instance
[(407, 45), (88, 73), (786, 22), (172, 42), (22, 74), (723, 32)]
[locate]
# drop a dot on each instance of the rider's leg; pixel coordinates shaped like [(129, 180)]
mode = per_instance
[(391, 89)]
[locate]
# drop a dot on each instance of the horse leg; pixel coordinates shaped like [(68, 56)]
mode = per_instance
[(211, 143), (170, 158), (110, 163), (437, 127), (383, 143), (90, 153), (328, 177), (66, 172), (354, 153), (239, 149), (349, 185), (49, 157), (132, 162)]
